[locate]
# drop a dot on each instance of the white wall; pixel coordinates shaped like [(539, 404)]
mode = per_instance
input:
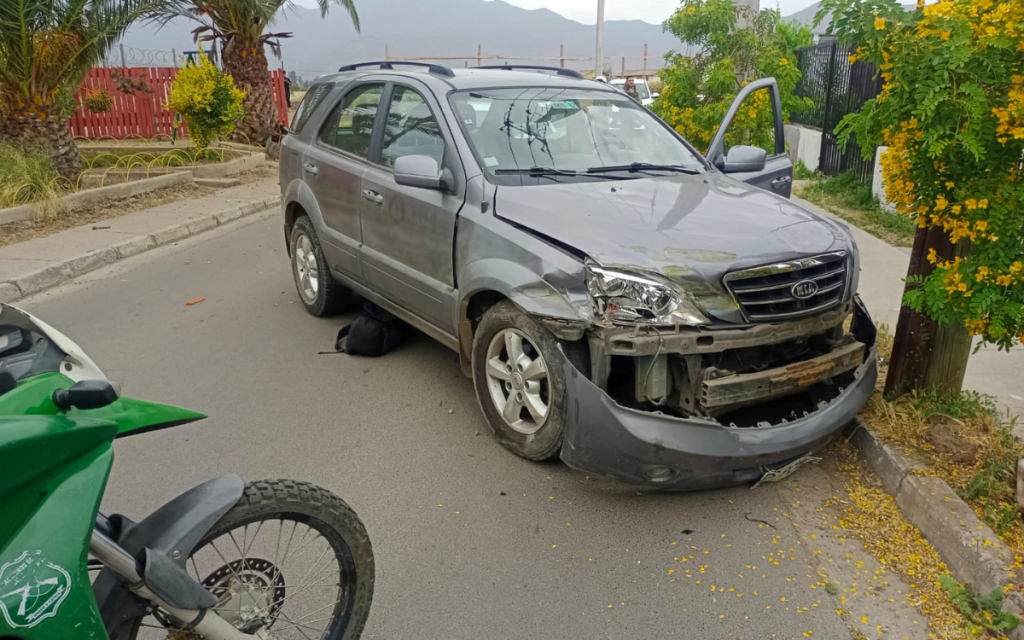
[(803, 144), (877, 185)]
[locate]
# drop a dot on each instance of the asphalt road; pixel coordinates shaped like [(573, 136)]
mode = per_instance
[(470, 541)]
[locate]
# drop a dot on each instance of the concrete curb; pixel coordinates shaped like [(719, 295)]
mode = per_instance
[(973, 552), (90, 197), (59, 272)]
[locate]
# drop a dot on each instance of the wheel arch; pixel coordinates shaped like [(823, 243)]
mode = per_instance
[(299, 201)]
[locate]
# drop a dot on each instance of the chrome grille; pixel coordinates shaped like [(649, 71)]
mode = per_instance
[(790, 289)]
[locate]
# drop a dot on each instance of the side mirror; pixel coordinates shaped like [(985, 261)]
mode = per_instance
[(418, 171), (744, 159), (87, 394), (655, 96)]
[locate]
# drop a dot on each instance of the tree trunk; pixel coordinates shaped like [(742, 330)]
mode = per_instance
[(44, 126), (924, 354), (248, 68)]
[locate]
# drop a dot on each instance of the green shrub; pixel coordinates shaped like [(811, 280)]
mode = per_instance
[(208, 100), (27, 175)]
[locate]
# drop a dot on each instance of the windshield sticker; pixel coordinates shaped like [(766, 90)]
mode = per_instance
[(561, 104), (32, 589), (491, 162)]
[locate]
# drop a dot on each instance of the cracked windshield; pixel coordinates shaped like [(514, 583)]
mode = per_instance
[(532, 319), (522, 129)]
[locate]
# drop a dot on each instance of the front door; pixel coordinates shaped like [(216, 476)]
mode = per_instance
[(334, 166), (408, 232), (741, 126)]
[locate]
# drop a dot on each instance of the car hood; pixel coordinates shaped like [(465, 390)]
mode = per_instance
[(682, 226)]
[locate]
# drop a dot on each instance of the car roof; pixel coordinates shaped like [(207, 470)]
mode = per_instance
[(475, 78)]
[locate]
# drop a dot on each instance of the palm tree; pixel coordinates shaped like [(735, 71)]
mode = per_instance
[(47, 46), (241, 28)]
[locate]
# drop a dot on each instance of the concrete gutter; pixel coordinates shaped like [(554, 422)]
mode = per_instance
[(59, 272), (973, 552), (92, 197)]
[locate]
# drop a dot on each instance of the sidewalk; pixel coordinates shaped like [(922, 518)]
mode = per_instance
[(883, 268), (34, 265)]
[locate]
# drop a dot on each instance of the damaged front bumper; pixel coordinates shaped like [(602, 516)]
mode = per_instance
[(655, 449)]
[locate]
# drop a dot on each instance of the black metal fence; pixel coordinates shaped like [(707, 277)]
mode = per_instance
[(837, 88)]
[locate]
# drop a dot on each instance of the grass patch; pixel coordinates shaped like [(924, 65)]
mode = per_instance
[(984, 611), (99, 159), (801, 172), (850, 199), (27, 175)]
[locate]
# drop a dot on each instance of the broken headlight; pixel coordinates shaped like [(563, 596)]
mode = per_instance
[(624, 297)]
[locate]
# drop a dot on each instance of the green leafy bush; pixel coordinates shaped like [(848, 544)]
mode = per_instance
[(698, 89), (208, 100)]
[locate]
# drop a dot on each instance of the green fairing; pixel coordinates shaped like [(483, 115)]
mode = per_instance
[(34, 397), (55, 466), (62, 465)]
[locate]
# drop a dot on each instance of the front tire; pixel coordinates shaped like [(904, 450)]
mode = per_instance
[(519, 381), (317, 289), (253, 577)]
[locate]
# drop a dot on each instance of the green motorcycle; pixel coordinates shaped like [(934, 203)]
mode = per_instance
[(226, 560)]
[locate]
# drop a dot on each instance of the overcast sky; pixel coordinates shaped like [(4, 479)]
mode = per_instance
[(653, 11)]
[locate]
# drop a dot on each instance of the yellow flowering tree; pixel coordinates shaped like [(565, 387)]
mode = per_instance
[(951, 112), (208, 100), (699, 88)]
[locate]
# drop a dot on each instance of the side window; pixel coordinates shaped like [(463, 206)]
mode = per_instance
[(410, 128), (310, 102), (754, 123), (350, 125)]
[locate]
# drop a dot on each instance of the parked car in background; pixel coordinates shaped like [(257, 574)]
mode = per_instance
[(642, 88), (618, 299)]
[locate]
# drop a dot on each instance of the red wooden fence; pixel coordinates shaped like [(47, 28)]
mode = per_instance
[(143, 114)]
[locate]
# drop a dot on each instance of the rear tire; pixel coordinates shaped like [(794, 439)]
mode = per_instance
[(317, 289)]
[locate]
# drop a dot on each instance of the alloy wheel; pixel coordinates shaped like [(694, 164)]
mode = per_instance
[(306, 269), (517, 378)]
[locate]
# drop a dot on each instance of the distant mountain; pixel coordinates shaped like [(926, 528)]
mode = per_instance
[(410, 28), (440, 28)]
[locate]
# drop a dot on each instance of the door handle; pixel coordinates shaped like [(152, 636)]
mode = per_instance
[(781, 182), (310, 168), (373, 196)]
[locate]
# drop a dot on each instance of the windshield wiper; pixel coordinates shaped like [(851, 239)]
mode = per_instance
[(536, 172), (644, 166)]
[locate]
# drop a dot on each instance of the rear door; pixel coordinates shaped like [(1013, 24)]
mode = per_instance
[(736, 128), (333, 166), (409, 232)]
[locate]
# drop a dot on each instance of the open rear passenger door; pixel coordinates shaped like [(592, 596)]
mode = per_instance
[(755, 157)]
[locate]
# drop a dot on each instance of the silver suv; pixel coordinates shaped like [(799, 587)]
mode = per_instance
[(618, 299)]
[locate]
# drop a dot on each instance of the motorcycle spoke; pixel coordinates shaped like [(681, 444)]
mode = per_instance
[(297, 626)]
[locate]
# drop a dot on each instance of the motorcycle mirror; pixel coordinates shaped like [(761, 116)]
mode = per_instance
[(87, 394)]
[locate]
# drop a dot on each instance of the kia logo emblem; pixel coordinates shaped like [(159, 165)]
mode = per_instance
[(804, 289)]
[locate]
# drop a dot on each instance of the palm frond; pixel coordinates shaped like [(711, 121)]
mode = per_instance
[(46, 44)]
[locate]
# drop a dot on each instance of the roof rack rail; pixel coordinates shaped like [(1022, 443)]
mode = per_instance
[(436, 69), (570, 73)]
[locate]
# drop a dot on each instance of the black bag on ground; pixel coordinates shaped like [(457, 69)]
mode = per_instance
[(374, 333)]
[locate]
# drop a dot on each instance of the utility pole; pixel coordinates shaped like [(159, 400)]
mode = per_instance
[(746, 11), (598, 53)]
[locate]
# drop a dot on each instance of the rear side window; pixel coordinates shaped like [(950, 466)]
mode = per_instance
[(350, 125), (310, 102)]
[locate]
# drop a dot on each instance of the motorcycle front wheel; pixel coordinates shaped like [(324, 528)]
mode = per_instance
[(290, 561)]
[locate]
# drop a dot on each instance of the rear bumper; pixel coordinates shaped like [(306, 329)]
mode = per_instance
[(606, 439)]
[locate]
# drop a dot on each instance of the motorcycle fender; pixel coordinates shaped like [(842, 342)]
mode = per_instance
[(178, 526)]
